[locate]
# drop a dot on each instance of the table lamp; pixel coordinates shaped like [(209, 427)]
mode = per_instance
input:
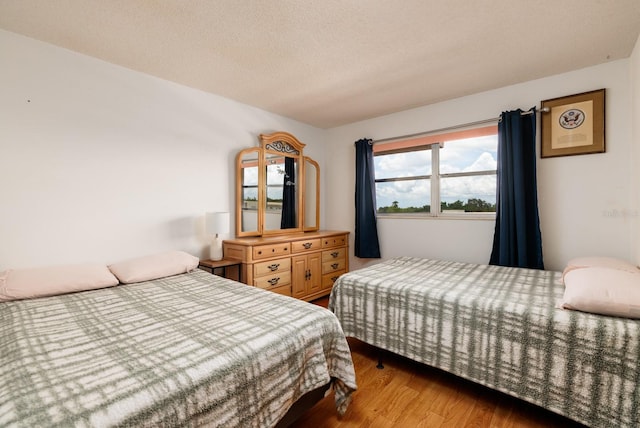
[(217, 224)]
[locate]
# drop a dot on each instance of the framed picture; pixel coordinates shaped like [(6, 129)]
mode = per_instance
[(573, 125)]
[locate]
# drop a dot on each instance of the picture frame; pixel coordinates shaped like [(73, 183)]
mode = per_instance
[(573, 125)]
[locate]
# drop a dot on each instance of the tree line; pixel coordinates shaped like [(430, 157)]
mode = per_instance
[(473, 205)]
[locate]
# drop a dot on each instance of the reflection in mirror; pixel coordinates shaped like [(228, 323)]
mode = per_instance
[(289, 195), (311, 194), (281, 190), (248, 191)]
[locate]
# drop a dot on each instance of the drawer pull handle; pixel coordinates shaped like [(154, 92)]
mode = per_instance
[(273, 281), (334, 254), (333, 278), (259, 252), (274, 267), (307, 245), (335, 265)]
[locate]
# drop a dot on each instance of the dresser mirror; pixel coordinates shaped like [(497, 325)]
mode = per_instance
[(278, 188), (248, 191), (312, 195)]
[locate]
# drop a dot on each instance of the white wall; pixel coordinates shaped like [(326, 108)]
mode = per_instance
[(635, 163), (585, 201), (100, 163)]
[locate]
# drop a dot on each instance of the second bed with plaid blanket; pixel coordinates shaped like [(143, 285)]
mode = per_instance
[(499, 327)]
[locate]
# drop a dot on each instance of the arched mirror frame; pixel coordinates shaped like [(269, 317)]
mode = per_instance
[(285, 144)]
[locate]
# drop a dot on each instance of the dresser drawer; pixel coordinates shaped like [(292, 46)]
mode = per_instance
[(271, 267), (334, 241), (330, 255), (329, 279), (333, 266), (285, 289), (270, 251), (306, 245), (270, 281)]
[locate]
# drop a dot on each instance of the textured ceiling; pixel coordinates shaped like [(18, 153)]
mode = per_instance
[(332, 62)]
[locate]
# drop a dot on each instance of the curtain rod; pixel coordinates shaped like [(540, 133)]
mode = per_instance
[(452, 128)]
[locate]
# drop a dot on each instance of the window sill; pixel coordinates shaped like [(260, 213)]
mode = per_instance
[(469, 216)]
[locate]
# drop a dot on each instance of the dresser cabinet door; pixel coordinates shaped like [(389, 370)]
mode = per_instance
[(307, 275)]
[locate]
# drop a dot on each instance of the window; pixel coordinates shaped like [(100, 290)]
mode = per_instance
[(445, 174)]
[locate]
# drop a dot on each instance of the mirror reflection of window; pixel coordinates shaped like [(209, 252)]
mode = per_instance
[(249, 191), (281, 173)]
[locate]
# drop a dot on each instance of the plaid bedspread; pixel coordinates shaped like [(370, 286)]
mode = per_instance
[(193, 349), (498, 327)]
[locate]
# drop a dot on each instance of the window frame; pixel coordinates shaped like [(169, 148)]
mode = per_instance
[(434, 142)]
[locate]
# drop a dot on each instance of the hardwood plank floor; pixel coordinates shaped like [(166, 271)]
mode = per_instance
[(409, 394)]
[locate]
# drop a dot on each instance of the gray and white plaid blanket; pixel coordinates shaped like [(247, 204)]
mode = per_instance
[(498, 327), (193, 349)]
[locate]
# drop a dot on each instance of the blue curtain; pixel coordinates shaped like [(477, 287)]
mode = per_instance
[(288, 219), (366, 239), (517, 241)]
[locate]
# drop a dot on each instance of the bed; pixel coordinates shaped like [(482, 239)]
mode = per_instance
[(190, 349), (499, 327)]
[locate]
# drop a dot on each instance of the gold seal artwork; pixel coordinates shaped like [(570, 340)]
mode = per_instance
[(573, 125)]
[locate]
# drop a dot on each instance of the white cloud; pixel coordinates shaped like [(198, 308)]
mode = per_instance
[(403, 165), (485, 162), (465, 188), (413, 193)]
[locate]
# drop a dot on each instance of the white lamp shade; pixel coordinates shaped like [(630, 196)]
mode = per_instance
[(217, 223)]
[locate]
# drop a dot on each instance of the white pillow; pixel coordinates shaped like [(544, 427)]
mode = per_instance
[(607, 262), (603, 291), (49, 281), (154, 266)]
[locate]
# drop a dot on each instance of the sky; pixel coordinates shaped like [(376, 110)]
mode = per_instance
[(275, 175), (473, 154)]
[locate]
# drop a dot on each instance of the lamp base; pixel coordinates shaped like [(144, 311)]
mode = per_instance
[(215, 252)]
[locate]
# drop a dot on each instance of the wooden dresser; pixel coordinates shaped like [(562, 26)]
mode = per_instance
[(301, 265)]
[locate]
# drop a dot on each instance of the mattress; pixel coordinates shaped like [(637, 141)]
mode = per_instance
[(499, 327), (193, 349)]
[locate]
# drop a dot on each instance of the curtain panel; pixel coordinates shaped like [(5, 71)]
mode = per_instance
[(366, 232), (517, 239)]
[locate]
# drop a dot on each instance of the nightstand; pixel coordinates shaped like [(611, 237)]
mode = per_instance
[(213, 265)]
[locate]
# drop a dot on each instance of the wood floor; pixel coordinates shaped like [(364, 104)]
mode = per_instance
[(408, 394)]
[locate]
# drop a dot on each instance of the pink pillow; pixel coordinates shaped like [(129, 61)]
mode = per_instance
[(603, 291), (49, 281), (607, 262), (154, 266)]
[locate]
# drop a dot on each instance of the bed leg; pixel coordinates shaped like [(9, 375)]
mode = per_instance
[(380, 366)]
